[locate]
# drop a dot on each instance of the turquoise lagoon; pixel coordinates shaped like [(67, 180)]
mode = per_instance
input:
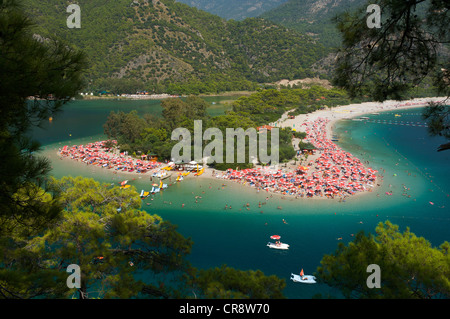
[(404, 154)]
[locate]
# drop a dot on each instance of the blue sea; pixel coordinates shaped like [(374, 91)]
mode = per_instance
[(397, 146)]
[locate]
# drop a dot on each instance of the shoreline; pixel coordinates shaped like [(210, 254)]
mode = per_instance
[(343, 112), (331, 116), (162, 96), (353, 110)]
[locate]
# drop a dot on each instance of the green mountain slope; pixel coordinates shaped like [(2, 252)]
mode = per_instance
[(162, 44), (313, 17), (234, 9)]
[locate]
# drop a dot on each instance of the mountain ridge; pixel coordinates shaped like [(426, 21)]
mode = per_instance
[(234, 9), (312, 17), (163, 44)]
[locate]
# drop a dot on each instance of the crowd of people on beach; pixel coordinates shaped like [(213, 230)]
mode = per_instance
[(99, 154), (335, 173)]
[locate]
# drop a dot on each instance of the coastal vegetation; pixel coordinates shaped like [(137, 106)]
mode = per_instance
[(122, 252), (267, 106), (409, 50), (49, 73), (48, 224), (228, 283), (151, 134), (411, 45), (411, 268)]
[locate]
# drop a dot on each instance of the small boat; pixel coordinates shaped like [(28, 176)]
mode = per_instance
[(277, 244), (200, 172), (162, 186), (144, 194), (125, 186), (305, 279), (155, 190), (161, 175), (164, 176)]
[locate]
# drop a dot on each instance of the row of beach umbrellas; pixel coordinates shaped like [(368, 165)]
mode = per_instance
[(98, 154), (333, 172)]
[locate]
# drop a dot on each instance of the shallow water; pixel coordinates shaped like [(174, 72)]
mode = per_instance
[(413, 171)]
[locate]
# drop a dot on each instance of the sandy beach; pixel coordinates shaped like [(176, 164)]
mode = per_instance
[(326, 118), (350, 111), (332, 115), (353, 110)]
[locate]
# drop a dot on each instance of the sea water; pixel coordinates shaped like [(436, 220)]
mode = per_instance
[(406, 156)]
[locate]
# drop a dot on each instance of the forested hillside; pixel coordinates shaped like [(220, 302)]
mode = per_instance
[(166, 46), (234, 9), (313, 17), (316, 18)]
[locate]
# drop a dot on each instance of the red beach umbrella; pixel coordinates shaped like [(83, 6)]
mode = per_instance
[(275, 237)]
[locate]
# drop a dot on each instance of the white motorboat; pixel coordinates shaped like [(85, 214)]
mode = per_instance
[(278, 245), (305, 279)]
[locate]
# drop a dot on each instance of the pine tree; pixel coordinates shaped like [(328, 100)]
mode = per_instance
[(410, 267), (410, 47)]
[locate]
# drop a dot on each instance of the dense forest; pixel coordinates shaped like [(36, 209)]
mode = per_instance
[(268, 106), (167, 46), (313, 17), (234, 9)]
